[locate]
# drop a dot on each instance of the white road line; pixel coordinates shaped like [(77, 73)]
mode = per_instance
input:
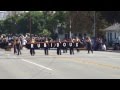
[(41, 66)]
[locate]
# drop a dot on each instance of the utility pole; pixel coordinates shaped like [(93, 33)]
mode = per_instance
[(70, 29), (30, 23), (94, 32)]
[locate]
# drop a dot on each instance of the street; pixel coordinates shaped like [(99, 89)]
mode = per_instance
[(99, 65)]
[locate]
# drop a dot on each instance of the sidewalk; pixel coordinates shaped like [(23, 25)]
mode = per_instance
[(117, 51)]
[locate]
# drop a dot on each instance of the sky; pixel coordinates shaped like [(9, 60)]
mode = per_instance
[(2, 15)]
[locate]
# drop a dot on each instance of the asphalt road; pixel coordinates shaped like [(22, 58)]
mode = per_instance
[(100, 65)]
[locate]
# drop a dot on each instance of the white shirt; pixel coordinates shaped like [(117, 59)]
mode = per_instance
[(57, 44), (24, 42), (32, 46), (104, 47), (45, 45)]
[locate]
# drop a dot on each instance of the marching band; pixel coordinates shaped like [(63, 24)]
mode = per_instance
[(32, 44)]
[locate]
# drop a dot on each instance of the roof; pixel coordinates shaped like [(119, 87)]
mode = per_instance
[(114, 27)]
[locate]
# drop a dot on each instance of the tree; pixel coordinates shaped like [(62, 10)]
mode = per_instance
[(2, 27), (10, 25), (111, 16), (81, 22), (46, 33)]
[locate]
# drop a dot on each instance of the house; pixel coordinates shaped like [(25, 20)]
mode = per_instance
[(113, 34)]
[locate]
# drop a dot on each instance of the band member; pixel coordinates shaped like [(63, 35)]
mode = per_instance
[(24, 42), (18, 46), (71, 45), (78, 40), (14, 46), (46, 46), (58, 45), (32, 49), (65, 47), (89, 45)]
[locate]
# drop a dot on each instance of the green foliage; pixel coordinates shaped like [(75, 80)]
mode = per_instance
[(46, 22), (45, 32), (111, 16)]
